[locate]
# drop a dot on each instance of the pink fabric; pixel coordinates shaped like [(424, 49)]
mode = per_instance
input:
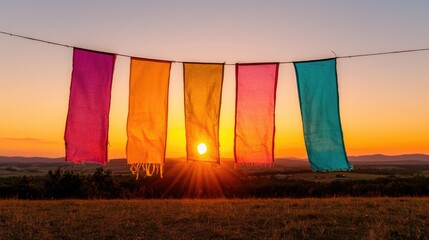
[(254, 117), (89, 104)]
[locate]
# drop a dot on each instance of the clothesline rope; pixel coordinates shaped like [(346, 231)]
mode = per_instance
[(174, 61)]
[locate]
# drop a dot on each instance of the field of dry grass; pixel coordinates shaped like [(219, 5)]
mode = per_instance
[(335, 218)]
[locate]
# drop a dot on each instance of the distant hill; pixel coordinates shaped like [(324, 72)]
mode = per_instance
[(376, 159), (179, 173), (30, 159)]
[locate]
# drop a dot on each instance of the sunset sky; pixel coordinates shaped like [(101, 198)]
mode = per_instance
[(384, 100)]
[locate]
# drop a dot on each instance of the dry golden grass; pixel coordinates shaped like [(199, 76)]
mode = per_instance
[(336, 218)]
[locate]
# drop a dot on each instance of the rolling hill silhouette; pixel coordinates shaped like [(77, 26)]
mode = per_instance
[(374, 159)]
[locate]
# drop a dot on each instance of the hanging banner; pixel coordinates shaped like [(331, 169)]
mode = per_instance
[(147, 115), (318, 97), (86, 133), (256, 86), (203, 91)]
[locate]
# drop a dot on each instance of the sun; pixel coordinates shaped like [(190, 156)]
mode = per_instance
[(202, 148)]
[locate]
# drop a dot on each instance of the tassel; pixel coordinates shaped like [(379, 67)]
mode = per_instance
[(149, 169), (236, 165)]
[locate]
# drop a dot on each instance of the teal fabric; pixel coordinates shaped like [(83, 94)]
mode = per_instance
[(318, 98)]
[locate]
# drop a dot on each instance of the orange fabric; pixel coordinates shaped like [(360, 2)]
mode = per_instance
[(203, 90), (147, 116)]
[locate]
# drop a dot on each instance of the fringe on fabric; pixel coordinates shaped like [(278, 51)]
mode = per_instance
[(337, 170), (236, 165), (149, 169)]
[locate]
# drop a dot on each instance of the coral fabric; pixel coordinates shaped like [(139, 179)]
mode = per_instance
[(318, 97), (86, 133), (147, 115), (254, 117), (203, 90)]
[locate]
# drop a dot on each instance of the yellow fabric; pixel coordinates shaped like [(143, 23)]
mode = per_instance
[(203, 90), (147, 115)]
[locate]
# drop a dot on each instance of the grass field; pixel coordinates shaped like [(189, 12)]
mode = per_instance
[(334, 218)]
